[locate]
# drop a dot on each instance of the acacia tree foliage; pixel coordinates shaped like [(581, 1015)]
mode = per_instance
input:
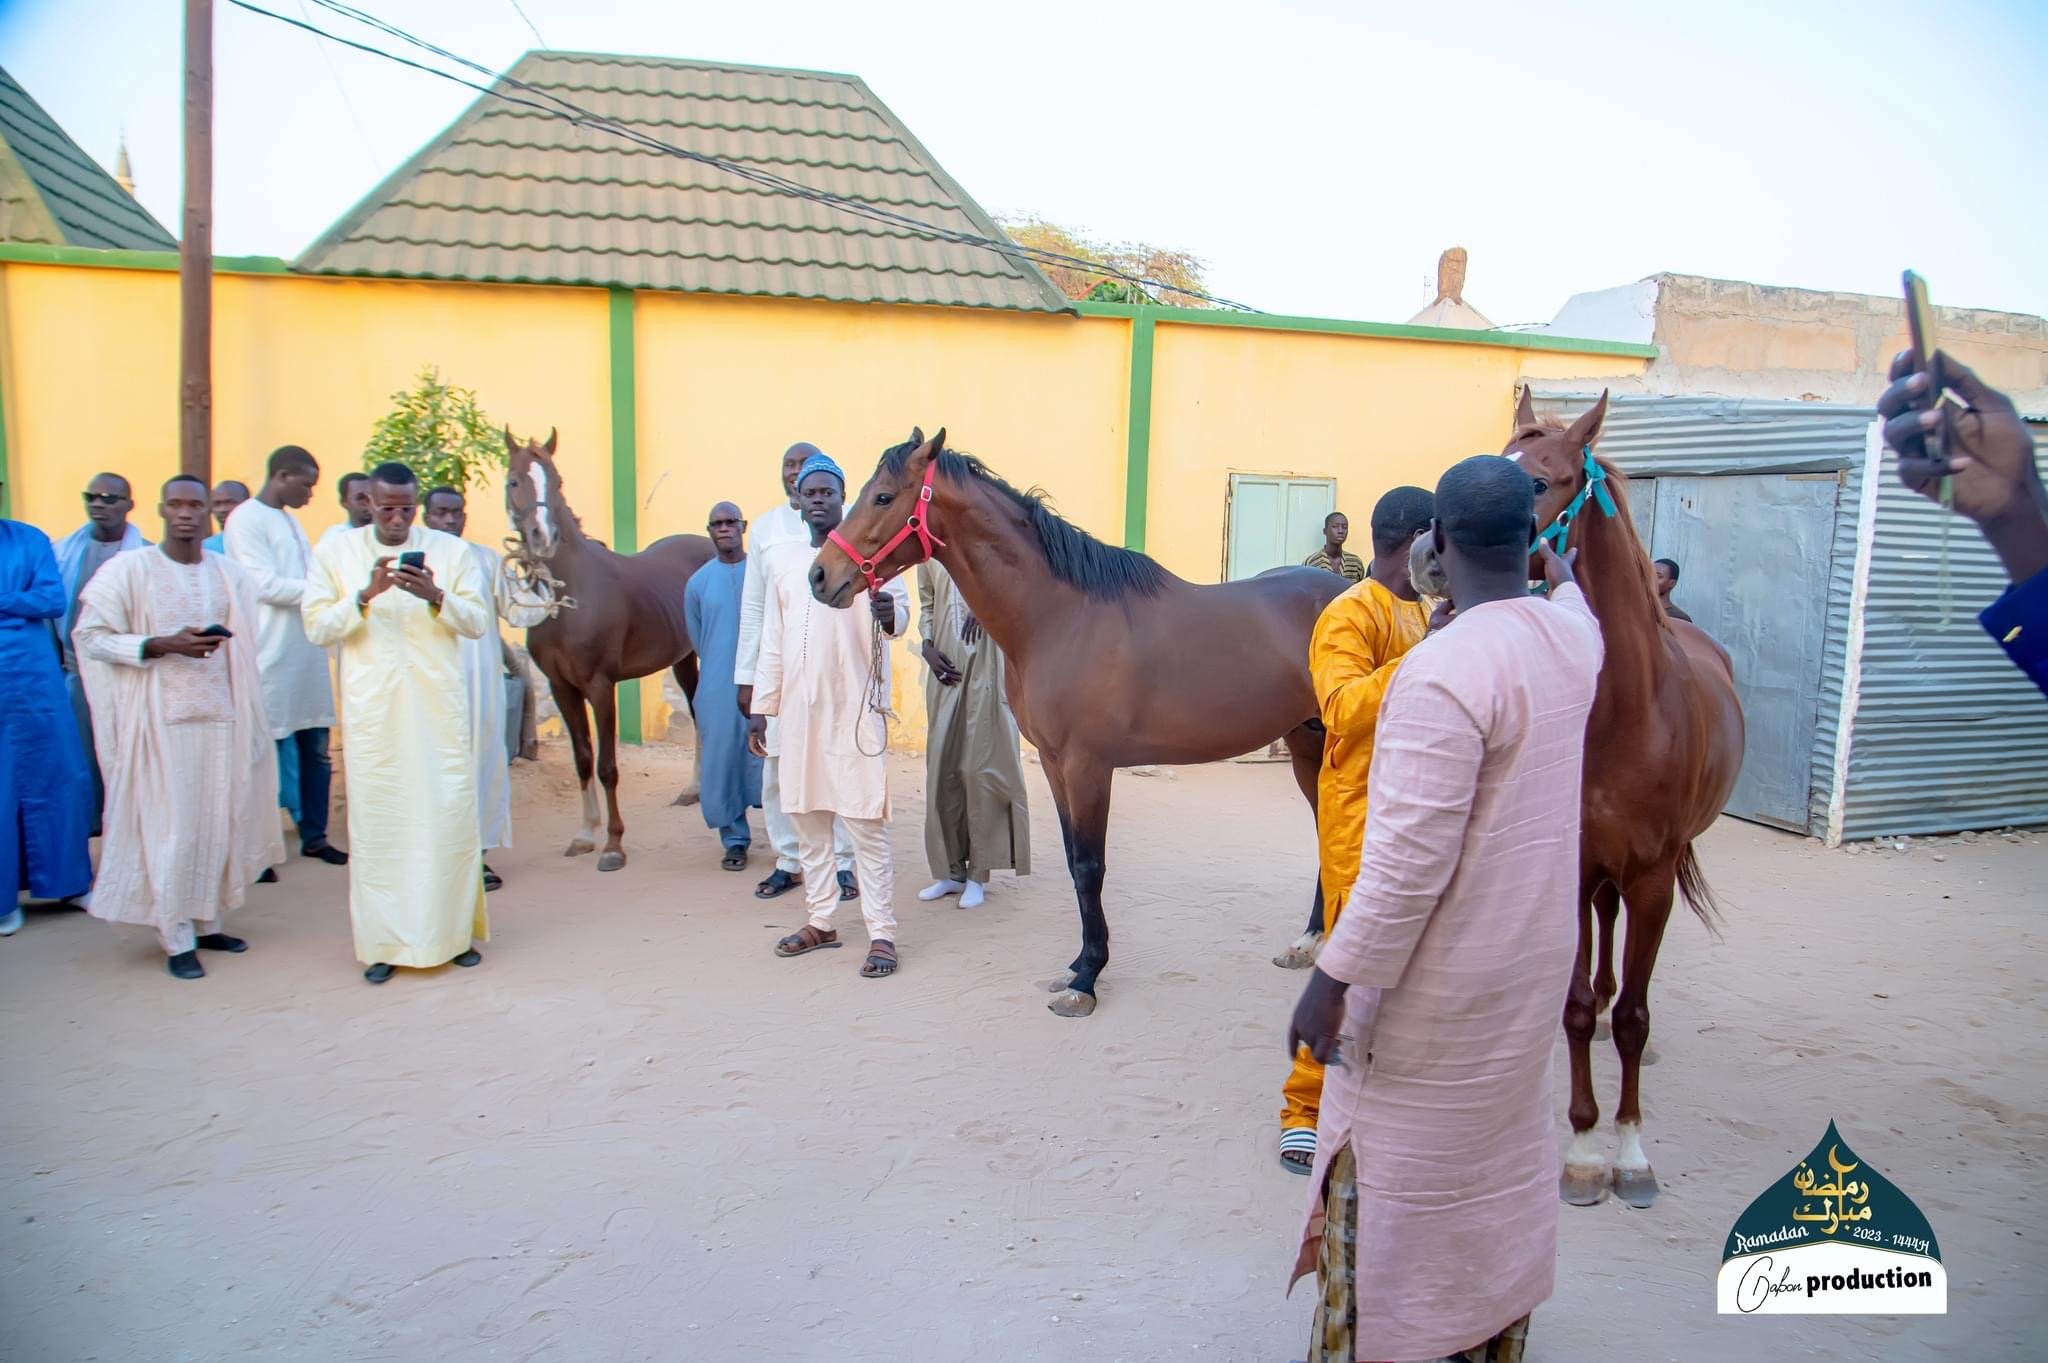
[(1179, 268), (438, 431)]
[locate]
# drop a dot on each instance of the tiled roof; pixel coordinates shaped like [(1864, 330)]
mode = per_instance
[(509, 193), (52, 192)]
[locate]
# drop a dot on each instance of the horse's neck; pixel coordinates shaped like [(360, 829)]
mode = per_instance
[(1000, 570), (1615, 573)]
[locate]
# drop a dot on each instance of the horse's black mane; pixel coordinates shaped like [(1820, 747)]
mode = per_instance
[(1074, 556)]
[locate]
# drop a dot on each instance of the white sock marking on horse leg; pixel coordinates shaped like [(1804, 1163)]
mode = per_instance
[(1585, 1152), (1630, 1156)]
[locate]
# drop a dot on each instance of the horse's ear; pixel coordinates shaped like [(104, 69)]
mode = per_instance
[(1586, 429), (549, 448), (1525, 411), (511, 445)]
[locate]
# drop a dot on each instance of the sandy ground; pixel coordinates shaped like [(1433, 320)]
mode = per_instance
[(634, 1134)]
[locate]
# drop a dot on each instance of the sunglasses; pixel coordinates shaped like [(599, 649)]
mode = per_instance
[(109, 498)]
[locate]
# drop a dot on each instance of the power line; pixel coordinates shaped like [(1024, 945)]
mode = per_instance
[(521, 11), (558, 107)]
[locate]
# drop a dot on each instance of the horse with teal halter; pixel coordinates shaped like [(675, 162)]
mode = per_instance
[(1596, 488)]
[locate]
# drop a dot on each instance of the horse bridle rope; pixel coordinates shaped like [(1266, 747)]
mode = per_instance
[(1596, 488), (918, 523)]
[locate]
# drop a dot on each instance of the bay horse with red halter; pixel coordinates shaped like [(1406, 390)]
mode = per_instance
[(626, 621), (1663, 748), (1109, 660)]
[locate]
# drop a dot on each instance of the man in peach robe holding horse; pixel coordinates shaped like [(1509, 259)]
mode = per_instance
[(1432, 1221)]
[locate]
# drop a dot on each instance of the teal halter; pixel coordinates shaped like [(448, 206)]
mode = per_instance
[(1596, 487)]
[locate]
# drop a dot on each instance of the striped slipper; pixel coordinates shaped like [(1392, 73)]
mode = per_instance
[(1303, 1139)]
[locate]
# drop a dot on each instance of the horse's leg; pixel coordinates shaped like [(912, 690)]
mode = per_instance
[(1305, 751), (686, 677), (569, 701), (1648, 897), (604, 710), (1084, 810), (1606, 908), (1584, 1181)]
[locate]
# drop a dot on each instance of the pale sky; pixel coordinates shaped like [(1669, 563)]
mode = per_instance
[(1317, 156)]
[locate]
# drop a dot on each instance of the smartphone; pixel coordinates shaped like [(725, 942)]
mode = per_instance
[(216, 632), (1927, 345), (415, 558)]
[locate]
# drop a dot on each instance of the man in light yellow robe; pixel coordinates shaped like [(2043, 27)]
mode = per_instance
[(1359, 640), (178, 714), (416, 897)]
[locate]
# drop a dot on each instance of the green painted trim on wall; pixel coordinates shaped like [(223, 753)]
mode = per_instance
[(30, 253), (1330, 326), (625, 471), (1138, 444)]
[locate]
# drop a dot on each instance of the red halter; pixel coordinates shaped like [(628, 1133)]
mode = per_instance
[(919, 524)]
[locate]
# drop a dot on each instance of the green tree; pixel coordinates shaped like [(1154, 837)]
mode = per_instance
[(1181, 269), (438, 431)]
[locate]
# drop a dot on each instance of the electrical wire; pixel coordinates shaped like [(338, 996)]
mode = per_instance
[(576, 115)]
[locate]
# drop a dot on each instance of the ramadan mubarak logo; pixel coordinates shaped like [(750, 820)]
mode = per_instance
[(1834, 1236)]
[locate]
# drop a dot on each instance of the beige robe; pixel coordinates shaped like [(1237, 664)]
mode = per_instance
[(976, 818), (191, 816), (816, 676), (1458, 942), (416, 894)]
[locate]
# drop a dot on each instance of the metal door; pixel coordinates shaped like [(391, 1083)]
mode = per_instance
[(1274, 522), (1753, 552)]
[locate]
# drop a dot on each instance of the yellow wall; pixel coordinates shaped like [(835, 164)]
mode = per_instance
[(91, 374), (1370, 412), (727, 384), (88, 366)]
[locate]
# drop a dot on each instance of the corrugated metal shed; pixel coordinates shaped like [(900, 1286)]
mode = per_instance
[(1944, 733), (52, 193), (511, 194)]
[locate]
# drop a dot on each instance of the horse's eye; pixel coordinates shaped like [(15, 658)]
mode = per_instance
[(1541, 487), (884, 498)]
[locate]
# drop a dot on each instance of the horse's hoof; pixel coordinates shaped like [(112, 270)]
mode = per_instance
[(582, 847), (1072, 1003), (686, 799), (611, 861), (1583, 1187), (1636, 1187), (1059, 982), (1302, 954)]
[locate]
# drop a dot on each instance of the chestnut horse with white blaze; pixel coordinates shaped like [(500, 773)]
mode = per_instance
[(1663, 748), (626, 621), (1109, 660)]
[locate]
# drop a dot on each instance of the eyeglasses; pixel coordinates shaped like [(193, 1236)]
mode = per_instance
[(109, 498)]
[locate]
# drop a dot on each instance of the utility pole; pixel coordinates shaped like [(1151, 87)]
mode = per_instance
[(195, 252)]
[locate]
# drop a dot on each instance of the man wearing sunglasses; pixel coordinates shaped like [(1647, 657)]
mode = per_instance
[(80, 554)]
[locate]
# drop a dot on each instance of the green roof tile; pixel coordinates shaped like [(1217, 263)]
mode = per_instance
[(52, 192), (509, 194)]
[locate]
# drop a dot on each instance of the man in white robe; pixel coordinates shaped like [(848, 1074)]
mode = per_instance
[(177, 705), (484, 668), (818, 677), (265, 541), (398, 599), (780, 525)]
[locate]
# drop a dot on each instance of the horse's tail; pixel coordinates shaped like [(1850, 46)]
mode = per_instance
[(1692, 883)]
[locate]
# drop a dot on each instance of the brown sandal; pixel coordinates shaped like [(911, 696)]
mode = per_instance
[(881, 961), (806, 939)]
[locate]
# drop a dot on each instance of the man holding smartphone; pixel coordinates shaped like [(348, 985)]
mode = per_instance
[(165, 643), (398, 601)]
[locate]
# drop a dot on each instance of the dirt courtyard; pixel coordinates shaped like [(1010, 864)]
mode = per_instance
[(634, 1134)]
